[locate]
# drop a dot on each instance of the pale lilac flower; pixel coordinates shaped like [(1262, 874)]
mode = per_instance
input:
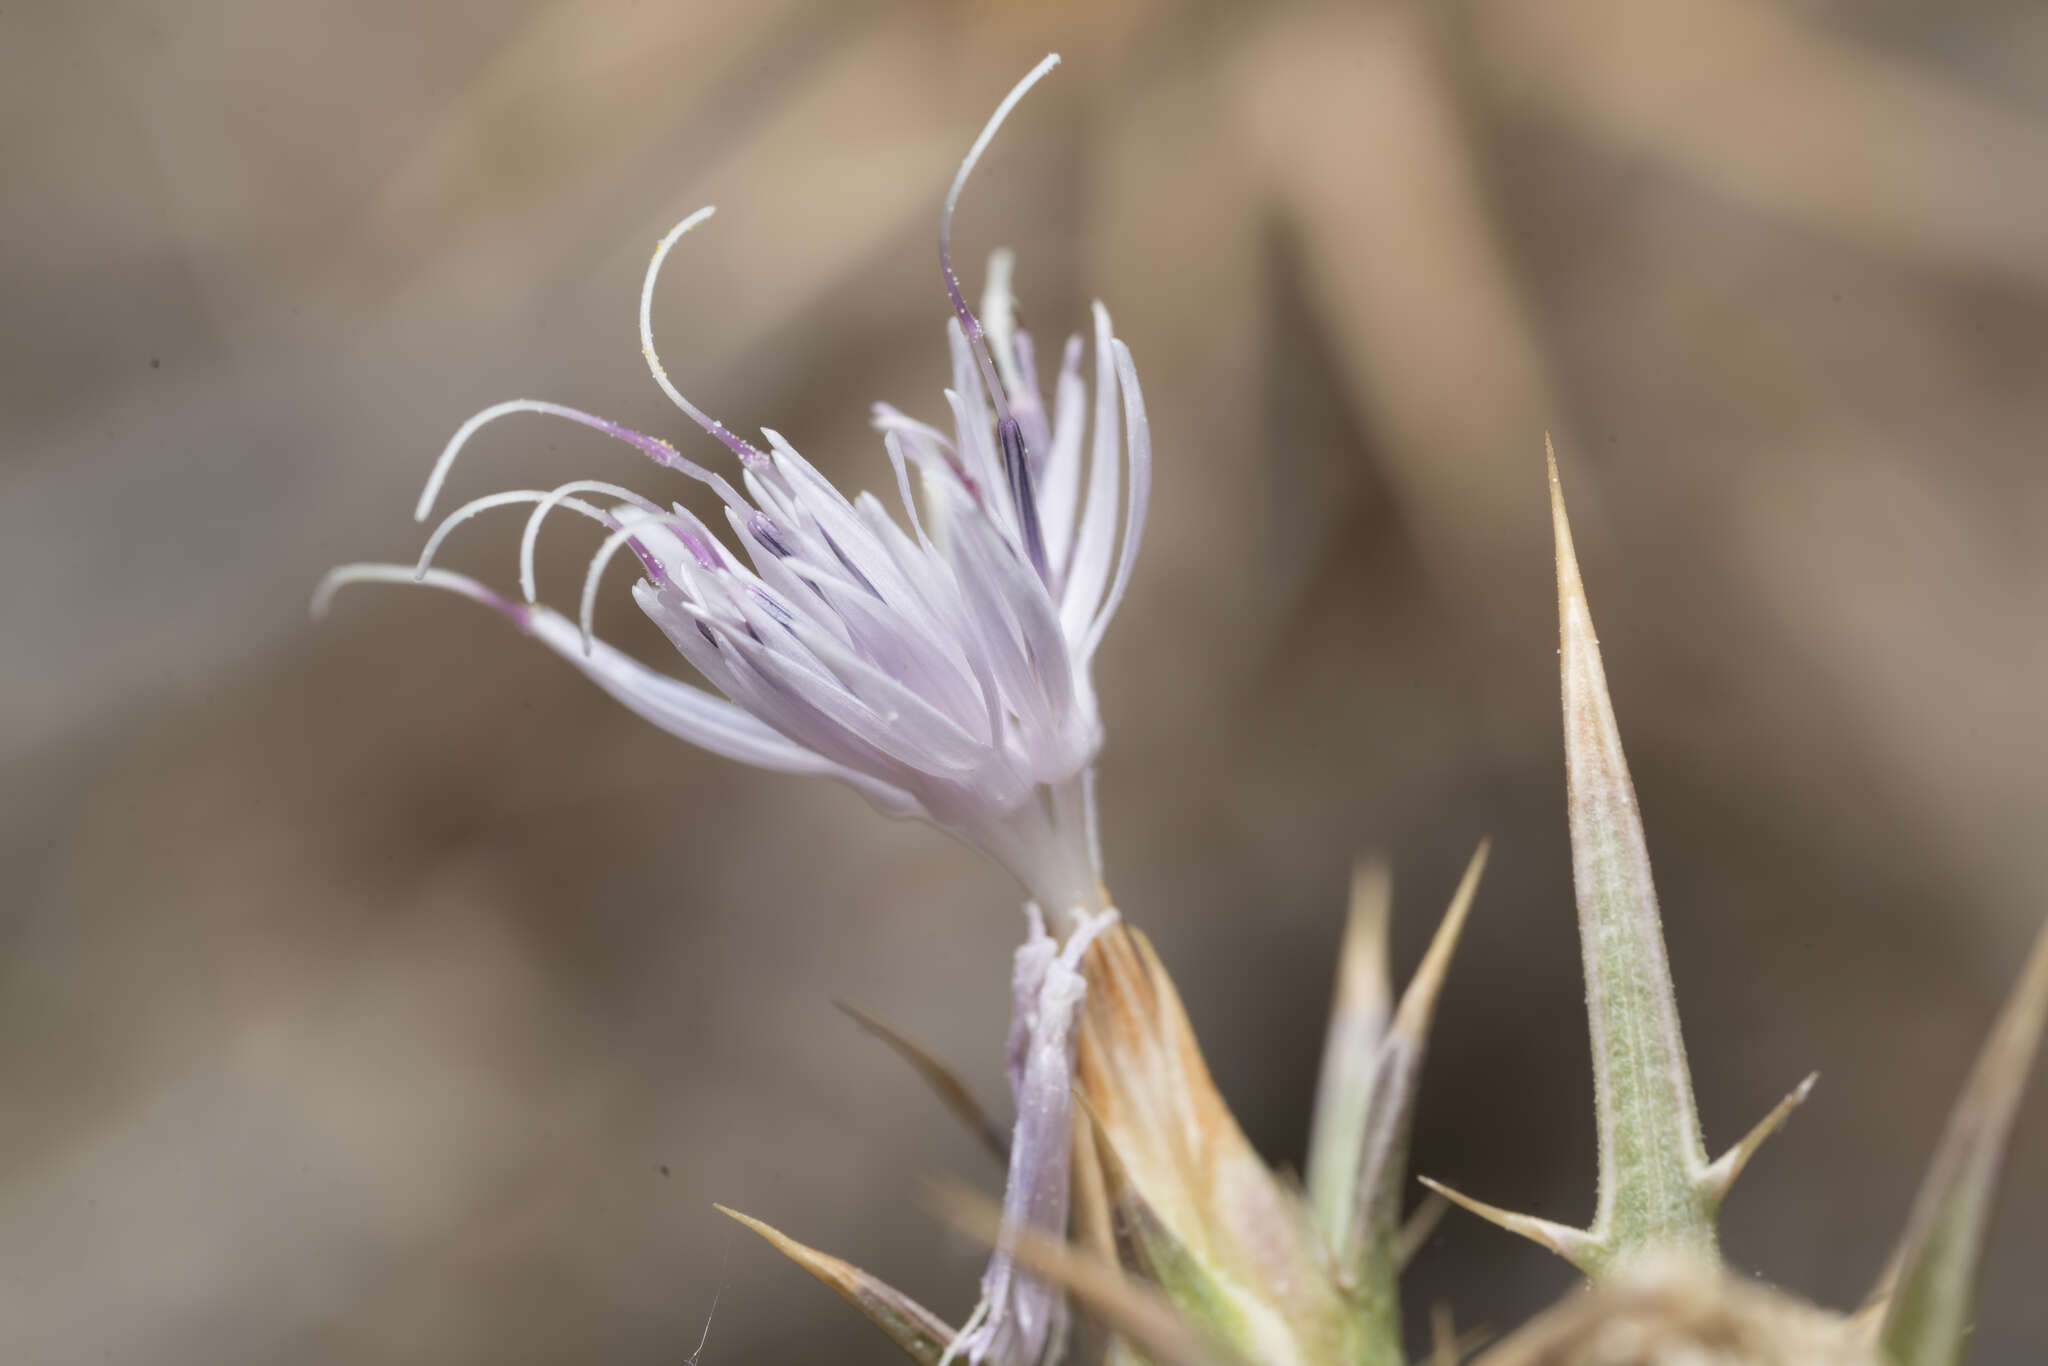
[(940, 664)]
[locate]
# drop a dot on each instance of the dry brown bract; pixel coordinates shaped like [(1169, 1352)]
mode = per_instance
[(1679, 1313)]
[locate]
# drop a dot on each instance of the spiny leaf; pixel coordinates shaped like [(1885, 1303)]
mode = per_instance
[(1358, 1022), (1653, 1167), (1931, 1283), (1657, 1192), (921, 1334), (1132, 1309), (1369, 1260), (951, 1091)]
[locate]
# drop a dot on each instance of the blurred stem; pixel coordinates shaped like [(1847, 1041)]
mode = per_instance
[(1931, 1285), (1369, 1260), (1358, 1022)]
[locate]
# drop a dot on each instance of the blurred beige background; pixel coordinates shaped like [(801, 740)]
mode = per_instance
[(380, 992)]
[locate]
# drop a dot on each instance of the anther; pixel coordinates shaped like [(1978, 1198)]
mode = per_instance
[(1017, 470), (769, 535)]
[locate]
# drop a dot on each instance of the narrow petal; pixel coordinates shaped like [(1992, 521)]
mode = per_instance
[(985, 583), (687, 712), (1059, 490), (1027, 403), (1082, 585), (977, 447), (888, 418), (1138, 438), (1029, 613), (682, 710), (831, 699)]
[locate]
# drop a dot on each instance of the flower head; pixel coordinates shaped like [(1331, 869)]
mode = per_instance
[(941, 663)]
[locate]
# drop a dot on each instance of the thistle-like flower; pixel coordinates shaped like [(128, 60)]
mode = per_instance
[(941, 665), (944, 670)]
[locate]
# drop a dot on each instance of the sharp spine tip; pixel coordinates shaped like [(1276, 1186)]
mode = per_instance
[(1721, 1173), (1576, 1246)]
